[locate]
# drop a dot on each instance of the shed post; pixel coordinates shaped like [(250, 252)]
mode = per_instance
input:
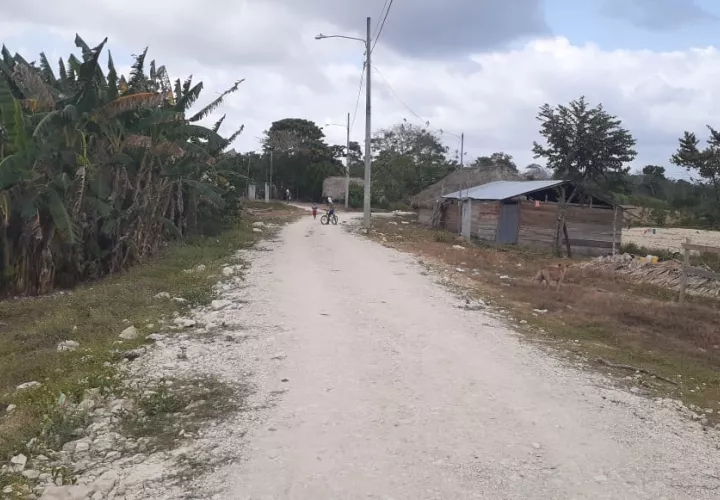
[(614, 250)]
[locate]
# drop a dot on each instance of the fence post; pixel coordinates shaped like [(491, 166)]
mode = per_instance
[(615, 210), (684, 275)]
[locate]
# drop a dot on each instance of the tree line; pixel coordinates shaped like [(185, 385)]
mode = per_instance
[(581, 143), (98, 171)]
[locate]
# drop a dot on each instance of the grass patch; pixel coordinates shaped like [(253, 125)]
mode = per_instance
[(444, 237), (93, 315), (174, 409), (596, 316)]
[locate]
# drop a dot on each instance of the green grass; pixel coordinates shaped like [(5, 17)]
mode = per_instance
[(94, 315)]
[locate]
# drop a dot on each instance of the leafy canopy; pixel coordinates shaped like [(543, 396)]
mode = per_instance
[(585, 145), (407, 159)]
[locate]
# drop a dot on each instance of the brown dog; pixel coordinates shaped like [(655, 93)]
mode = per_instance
[(552, 273)]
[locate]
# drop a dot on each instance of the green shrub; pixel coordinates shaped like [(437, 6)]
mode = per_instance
[(356, 196)]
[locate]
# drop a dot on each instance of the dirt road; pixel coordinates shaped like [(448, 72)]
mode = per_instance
[(390, 392)]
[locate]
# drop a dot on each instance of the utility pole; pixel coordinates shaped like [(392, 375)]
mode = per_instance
[(462, 203), (368, 130), (368, 107), (271, 173), (247, 178), (347, 165)]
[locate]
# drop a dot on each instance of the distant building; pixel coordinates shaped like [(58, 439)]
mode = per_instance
[(334, 187), (427, 201)]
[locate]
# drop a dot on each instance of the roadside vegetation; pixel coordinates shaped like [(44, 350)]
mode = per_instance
[(594, 316), (94, 315), (118, 208)]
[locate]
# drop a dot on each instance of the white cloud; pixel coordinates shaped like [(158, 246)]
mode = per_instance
[(492, 97)]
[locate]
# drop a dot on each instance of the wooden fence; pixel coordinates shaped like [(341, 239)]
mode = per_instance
[(687, 269)]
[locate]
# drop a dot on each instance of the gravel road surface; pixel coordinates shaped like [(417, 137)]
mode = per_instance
[(383, 389)]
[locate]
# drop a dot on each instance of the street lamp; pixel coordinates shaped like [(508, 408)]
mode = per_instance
[(368, 108), (347, 156)]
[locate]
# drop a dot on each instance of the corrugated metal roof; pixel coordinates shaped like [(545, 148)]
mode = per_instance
[(502, 190)]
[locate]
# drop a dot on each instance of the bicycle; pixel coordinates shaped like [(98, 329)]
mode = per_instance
[(329, 218)]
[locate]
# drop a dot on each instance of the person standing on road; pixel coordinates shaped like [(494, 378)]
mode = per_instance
[(314, 210)]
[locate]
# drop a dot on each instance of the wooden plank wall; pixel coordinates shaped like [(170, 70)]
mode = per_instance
[(590, 229)]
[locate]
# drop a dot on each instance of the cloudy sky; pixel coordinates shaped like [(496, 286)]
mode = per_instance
[(478, 67)]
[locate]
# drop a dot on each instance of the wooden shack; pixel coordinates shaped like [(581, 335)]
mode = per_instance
[(429, 201), (526, 213)]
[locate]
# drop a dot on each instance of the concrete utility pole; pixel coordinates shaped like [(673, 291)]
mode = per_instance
[(368, 129), (271, 174), (462, 150), (347, 156), (368, 125), (347, 164)]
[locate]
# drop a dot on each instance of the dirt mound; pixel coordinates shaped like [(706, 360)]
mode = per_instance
[(666, 274)]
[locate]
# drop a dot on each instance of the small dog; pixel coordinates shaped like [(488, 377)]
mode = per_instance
[(552, 273)]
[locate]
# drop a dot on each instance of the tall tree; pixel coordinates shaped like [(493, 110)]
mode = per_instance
[(705, 163), (535, 172), (587, 146), (356, 160), (301, 157), (497, 160), (653, 176), (407, 159)]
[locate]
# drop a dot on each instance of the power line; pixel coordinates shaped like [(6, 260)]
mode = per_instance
[(383, 24), (357, 101), (423, 120), (377, 24), (387, 84), (426, 122)]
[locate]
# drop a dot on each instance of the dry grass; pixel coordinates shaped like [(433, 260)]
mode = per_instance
[(598, 316)]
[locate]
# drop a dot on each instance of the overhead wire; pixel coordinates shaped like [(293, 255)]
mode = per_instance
[(382, 11), (382, 25), (357, 101), (386, 10), (412, 111)]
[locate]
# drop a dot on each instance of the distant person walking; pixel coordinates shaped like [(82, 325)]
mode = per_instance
[(314, 210)]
